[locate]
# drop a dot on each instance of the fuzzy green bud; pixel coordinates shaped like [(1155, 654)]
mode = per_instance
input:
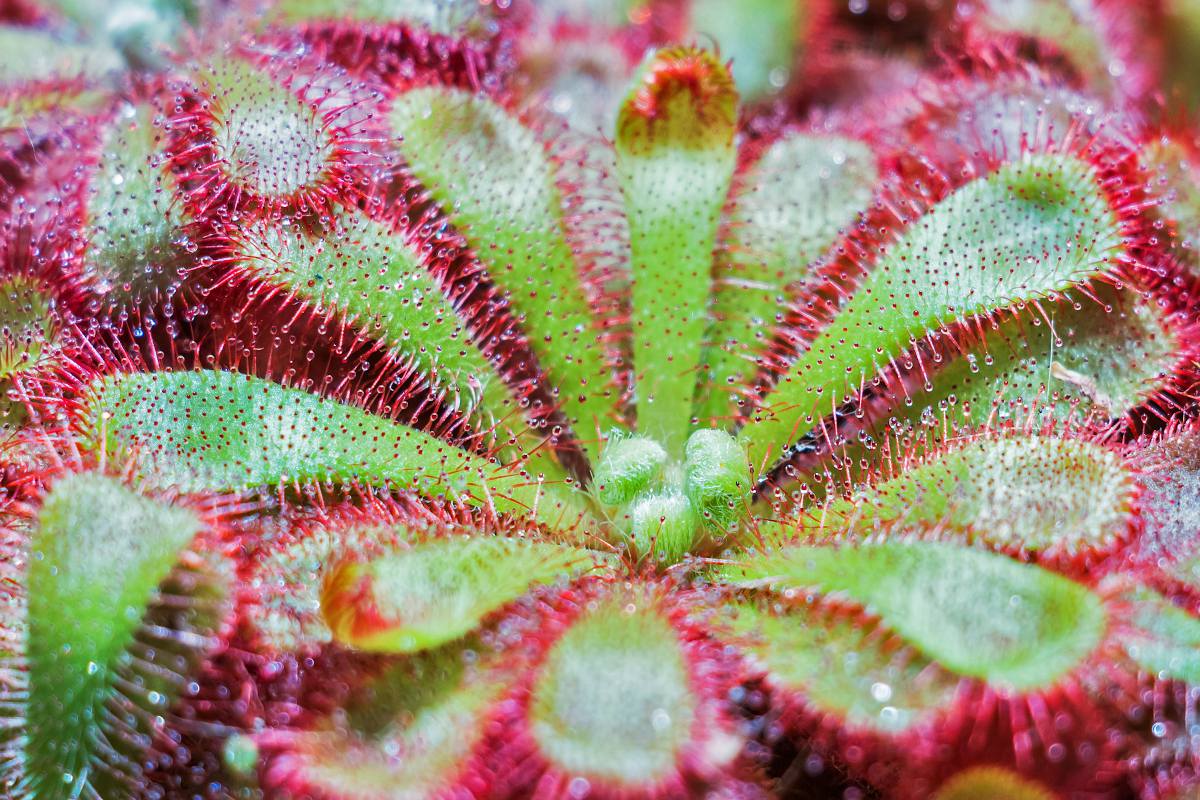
[(627, 466), (716, 478), (665, 524)]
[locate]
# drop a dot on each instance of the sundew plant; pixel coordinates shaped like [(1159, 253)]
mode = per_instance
[(505, 399)]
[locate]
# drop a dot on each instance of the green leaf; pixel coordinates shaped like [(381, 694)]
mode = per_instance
[(98, 556), (213, 430), (614, 700), (1176, 165), (285, 615), (1031, 228), (440, 16), (365, 272), (34, 55), (841, 666), (26, 325), (788, 210), (1171, 504), (972, 612), (500, 186), (28, 339), (437, 591), (1036, 493), (296, 567), (760, 38), (267, 141), (675, 159), (141, 29), (1161, 638), (405, 735), (1107, 358), (40, 108), (1102, 359), (369, 274), (136, 241)]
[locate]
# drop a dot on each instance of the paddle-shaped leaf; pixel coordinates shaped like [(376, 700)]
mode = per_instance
[(221, 431), (370, 274), (405, 734), (675, 159), (99, 554), (437, 591), (623, 698), (496, 180), (1160, 637), (788, 210), (137, 245), (840, 665), (1033, 493), (972, 612), (1033, 227)]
